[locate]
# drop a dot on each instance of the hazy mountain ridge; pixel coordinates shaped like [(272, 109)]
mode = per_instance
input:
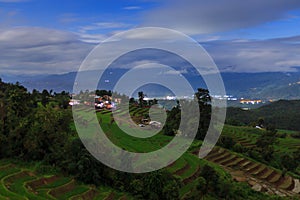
[(267, 85)]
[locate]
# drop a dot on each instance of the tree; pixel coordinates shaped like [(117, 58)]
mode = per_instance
[(226, 142), (45, 97), (2, 112), (62, 99), (131, 100), (261, 122), (141, 98), (80, 163), (154, 183), (268, 138), (174, 116), (204, 99), (266, 142), (102, 93), (288, 162), (210, 175), (160, 185), (171, 191), (49, 129), (202, 96), (202, 186), (172, 121), (136, 187), (150, 102)]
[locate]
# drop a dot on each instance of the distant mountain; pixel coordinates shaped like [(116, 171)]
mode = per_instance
[(20, 78), (268, 85)]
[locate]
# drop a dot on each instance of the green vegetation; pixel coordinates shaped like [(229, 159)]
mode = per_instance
[(265, 146), (23, 183), (37, 130), (283, 114)]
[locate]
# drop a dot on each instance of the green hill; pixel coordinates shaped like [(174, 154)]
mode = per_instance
[(283, 114)]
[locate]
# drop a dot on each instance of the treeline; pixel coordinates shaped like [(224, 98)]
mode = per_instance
[(32, 125), (283, 114)]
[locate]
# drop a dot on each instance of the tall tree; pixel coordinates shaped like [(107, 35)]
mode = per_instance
[(141, 98), (204, 99)]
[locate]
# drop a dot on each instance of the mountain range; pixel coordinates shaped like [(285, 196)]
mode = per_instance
[(267, 85)]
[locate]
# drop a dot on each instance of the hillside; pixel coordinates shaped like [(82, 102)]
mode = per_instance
[(283, 114), (253, 163)]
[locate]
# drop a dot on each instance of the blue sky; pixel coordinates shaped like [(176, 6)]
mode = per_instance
[(71, 15), (54, 36)]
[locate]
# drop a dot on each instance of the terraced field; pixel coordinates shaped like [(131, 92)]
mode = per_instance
[(187, 167), (242, 135), (17, 183), (247, 136), (259, 176)]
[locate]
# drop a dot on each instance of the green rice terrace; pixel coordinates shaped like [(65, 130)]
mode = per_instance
[(19, 182), (260, 177), (247, 137)]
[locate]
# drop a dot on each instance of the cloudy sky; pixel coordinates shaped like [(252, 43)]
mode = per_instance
[(54, 36)]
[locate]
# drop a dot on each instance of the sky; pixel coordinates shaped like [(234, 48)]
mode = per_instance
[(54, 36)]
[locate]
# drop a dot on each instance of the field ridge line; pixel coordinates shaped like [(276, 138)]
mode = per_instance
[(7, 190)]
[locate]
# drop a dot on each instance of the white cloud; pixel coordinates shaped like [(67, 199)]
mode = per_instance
[(104, 25), (92, 38), (176, 72), (200, 16), (93, 33), (132, 8), (271, 55), (30, 50), (39, 50)]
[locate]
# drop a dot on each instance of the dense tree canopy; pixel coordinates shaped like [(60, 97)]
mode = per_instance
[(203, 99)]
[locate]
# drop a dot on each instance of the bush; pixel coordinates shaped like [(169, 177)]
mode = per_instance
[(296, 135), (283, 135), (46, 169), (226, 142), (239, 148), (254, 154)]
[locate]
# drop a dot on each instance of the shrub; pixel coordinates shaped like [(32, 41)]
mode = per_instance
[(239, 148)]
